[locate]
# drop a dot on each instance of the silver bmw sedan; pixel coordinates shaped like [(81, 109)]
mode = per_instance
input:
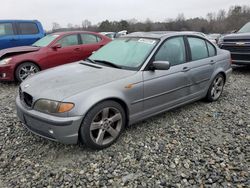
[(130, 79)]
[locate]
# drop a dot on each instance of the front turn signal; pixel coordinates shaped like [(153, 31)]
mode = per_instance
[(65, 107)]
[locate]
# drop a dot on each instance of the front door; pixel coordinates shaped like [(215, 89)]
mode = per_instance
[(166, 88), (70, 51)]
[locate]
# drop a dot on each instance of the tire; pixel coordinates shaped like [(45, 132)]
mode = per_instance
[(216, 88), (103, 125), (24, 70)]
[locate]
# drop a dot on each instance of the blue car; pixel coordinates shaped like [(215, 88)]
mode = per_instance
[(19, 33)]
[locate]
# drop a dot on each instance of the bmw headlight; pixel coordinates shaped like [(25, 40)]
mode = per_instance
[(5, 61), (50, 106)]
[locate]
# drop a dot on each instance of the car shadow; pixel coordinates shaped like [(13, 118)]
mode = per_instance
[(9, 83), (241, 69)]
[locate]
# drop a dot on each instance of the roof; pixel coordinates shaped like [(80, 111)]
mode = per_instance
[(1, 21), (161, 34), (71, 32)]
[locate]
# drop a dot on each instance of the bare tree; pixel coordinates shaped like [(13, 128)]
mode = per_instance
[(55, 26), (86, 24)]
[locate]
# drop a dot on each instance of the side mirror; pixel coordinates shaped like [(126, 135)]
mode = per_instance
[(56, 46), (234, 31), (160, 65)]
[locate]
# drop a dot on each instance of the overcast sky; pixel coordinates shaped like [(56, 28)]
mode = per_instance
[(74, 11)]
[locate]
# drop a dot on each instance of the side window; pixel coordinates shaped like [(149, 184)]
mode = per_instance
[(211, 49), (27, 28), (69, 40), (90, 39), (173, 50), (198, 48), (6, 29)]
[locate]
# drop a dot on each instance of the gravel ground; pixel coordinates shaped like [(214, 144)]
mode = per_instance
[(198, 145)]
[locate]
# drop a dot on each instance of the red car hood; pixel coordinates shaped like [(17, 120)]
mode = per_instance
[(17, 50)]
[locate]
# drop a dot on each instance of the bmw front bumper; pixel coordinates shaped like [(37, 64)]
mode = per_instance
[(61, 129)]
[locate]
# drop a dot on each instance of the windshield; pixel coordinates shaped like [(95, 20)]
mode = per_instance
[(45, 41), (128, 53), (245, 28)]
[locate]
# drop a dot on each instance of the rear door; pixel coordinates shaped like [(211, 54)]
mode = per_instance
[(28, 33), (167, 88), (201, 65), (8, 38), (90, 43), (70, 51)]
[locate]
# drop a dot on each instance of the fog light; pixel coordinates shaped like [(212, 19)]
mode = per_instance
[(51, 131)]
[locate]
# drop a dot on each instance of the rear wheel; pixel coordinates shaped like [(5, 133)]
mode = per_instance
[(102, 125), (25, 70), (216, 88)]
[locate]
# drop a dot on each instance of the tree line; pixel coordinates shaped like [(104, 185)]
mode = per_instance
[(221, 22)]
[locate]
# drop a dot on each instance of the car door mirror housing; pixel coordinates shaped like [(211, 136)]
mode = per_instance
[(160, 65), (56, 46)]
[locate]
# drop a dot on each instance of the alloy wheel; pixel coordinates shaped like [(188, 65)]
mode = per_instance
[(26, 71), (106, 126), (217, 88)]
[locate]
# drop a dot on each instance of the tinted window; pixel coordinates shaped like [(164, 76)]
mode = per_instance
[(28, 28), (198, 48), (70, 40), (6, 29), (211, 49), (173, 50), (89, 38)]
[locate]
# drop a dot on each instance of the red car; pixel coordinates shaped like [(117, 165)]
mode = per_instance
[(52, 50)]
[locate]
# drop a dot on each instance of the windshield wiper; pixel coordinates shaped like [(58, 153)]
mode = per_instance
[(90, 60), (108, 63)]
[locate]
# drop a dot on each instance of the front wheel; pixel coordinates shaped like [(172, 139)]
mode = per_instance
[(216, 88), (102, 125), (25, 70)]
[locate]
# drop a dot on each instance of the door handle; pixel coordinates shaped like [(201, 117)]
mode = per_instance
[(77, 49), (212, 62), (185, 69)]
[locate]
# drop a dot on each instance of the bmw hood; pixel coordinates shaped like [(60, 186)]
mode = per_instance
[(65, 81), (17, 50)]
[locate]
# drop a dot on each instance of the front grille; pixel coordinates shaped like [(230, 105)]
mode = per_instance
[(239, 49), (26, 98), (241, 57), (236, 40)]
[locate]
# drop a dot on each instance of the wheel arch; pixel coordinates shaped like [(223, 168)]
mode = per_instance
[(118, 100)]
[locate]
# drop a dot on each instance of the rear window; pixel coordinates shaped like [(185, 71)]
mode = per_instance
[(28, 28), (6, 29), (198, 48), (90, 39), (211, 49)]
